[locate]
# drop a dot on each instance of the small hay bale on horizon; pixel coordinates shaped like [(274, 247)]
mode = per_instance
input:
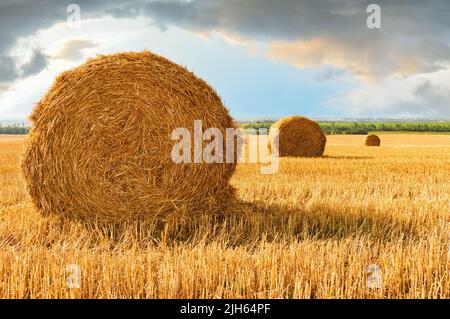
[(372, 140), (100, 143), (297, 136)]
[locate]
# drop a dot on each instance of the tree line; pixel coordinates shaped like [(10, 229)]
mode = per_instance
[(14, 129), (328, 127)]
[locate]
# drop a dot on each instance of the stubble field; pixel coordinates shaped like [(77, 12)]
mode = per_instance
[(361, 222)]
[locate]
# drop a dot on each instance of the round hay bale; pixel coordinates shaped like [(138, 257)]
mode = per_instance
[(297, 136), (372, 140), (100, 145)]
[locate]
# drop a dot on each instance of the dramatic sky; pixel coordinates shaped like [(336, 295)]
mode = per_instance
[(264, 57)]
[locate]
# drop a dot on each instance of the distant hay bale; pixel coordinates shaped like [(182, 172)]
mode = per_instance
[(372, 140), (297, 136), (100, 144)]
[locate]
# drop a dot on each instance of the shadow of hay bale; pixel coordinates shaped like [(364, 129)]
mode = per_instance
[(249, 223), (349, 157)]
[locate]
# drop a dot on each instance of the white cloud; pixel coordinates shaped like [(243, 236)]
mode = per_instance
[(421, 95)]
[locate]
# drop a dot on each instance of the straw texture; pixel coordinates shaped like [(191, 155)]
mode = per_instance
[(100, 145), (372, 140), (297, 136)]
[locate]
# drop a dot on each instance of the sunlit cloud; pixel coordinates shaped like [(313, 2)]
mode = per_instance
[(72, 50)]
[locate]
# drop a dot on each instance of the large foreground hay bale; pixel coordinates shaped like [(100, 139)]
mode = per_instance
[(372, 140), (100, 145), (297, 136)]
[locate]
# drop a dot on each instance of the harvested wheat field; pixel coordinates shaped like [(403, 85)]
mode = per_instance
[(319, 228)]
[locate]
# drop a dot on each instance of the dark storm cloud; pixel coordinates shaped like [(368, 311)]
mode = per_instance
[(414, 37), (433, 98), (37, 62), (262, 19), (291, 19), (21, 18), (7, 69), (10, 71)]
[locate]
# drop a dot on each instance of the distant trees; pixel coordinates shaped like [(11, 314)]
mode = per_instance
[(328, 127), (14, 129), (365, 127)]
